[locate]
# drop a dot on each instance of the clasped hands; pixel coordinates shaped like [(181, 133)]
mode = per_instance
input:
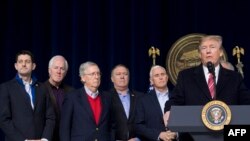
[(167, 135)]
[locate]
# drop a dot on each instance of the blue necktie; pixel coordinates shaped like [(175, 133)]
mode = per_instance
[(28, 90)]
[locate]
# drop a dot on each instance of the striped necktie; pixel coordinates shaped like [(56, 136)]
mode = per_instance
[(211, 85)]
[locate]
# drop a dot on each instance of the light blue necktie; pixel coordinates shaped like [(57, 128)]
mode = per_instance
[(28, 90)]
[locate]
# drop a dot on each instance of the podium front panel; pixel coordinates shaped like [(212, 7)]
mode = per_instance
[(188, 118)]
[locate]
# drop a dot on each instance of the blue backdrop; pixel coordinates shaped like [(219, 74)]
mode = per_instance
[(114, 31)]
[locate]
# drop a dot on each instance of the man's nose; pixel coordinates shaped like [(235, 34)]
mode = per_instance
[(24, 64), (208, 50)]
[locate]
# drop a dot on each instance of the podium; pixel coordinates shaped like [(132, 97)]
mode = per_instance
[(188, 119)]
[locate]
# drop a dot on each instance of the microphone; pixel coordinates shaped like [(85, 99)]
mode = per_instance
[(210, 67), (211, 70)]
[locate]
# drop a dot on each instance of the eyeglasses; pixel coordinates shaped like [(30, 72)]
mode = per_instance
[(94, 74)]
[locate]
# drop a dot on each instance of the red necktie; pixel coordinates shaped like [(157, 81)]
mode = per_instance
[(211, 85)]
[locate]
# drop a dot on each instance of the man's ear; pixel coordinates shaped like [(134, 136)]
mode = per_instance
[(221, 54), (112, 79), (82, 79), (151, 82), (15, 65), (33, 66)]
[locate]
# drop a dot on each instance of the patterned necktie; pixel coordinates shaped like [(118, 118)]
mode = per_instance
[(211, 85)]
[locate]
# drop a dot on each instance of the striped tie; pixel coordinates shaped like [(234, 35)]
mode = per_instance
[(211, 85)]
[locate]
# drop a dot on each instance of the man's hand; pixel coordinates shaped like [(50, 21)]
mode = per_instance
[(167, 136), (166, 117)]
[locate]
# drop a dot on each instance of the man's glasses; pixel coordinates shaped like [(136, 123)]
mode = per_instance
[(94, 74)]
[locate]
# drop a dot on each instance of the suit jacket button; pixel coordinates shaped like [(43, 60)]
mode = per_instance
[(96, 139), (97, 129)]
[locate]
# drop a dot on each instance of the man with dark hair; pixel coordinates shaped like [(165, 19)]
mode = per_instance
[(26, 111)]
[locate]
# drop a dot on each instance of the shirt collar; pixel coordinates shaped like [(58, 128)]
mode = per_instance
[(20, 81), (158, 93), (54, 87), (127, 92), (90, 93), (217, 68)]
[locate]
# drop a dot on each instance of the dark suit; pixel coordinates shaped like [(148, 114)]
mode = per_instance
[(66, 89), (123, 126), (192, 89), (149, 117), (77, 120), (17, 118)]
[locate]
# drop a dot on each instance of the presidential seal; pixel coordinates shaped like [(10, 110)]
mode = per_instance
[(215, 115), (184, 54)]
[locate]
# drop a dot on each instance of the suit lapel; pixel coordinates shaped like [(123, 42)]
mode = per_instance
[(51, 95), (201, 82), (118, 103), (21, 90), (105, 108), (83, 100), (222, 78), (155, 102), (39, 95), (132, 104)]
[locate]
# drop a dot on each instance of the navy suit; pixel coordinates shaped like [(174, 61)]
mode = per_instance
[(18, 120), (149, 117), (192, 89), (123, 126), (77, 119)]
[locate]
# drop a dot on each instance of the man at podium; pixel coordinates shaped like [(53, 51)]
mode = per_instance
[(194, 86)]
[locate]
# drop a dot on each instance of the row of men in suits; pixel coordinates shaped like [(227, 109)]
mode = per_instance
[(89, 114), (33, 111)]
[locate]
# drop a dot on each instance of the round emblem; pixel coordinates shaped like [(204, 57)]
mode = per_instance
[(184, 54), (215, 114)]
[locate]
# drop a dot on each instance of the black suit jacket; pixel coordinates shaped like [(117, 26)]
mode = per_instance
[(17, 118), (192, 89), (149, 117), (66, 89), (77, 119), (123, 126)]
